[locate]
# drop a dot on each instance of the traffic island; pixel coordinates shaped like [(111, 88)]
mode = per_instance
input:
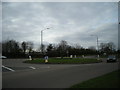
[(64, 61)]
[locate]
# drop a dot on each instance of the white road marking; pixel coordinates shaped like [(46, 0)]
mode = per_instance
[(8, 68), (32, 67)]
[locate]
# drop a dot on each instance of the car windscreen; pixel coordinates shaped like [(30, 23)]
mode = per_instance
[(111, 57)]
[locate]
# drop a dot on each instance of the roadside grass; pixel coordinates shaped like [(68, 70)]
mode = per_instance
[(110, 80), (64, 61)]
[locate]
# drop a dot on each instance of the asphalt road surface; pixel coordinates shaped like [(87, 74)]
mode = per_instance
[(51, 75)]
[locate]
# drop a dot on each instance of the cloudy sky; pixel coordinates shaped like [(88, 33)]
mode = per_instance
[(74, 22)]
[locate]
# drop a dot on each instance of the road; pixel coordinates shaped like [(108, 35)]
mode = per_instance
[(51, 75)]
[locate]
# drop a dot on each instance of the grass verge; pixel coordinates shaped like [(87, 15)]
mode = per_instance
[(110, 80), (64, 61)]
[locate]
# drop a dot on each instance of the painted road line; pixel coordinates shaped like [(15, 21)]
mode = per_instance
[(32, 67), (8, 68)]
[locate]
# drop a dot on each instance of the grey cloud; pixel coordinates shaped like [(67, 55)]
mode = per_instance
[(70, 21), (106, 33), (80, 12)]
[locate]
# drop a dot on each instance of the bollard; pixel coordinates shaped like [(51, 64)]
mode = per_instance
[(75, 56), (71, 56), (83, 56), (30, 58), (98, 57), (46, 61)]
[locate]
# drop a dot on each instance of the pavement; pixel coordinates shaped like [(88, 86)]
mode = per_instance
[(50, 75)]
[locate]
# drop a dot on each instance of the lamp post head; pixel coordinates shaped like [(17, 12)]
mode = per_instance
[(45, 29), (94, 35)]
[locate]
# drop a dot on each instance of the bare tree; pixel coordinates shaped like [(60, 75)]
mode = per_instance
[(77, 46), (107, 47), (50, 47), (10, 48), (30, 46), (63, 47), (111, 46), (92, 48), (24, 46), (43, 49)]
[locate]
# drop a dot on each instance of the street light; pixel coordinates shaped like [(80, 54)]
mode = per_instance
[(97, 42), (97, 46), (42, 39)]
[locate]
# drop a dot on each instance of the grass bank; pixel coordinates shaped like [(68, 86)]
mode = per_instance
[(110, 80), (64, 61)]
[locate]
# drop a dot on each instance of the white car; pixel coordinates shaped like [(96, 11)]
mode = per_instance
[(3, 57)]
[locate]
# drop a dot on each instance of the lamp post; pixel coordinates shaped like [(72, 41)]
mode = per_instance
[(42, 39), (97, 42), (97, 46)]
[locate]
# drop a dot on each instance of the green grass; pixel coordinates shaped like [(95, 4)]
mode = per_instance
[(64, 61), (110, 80)]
